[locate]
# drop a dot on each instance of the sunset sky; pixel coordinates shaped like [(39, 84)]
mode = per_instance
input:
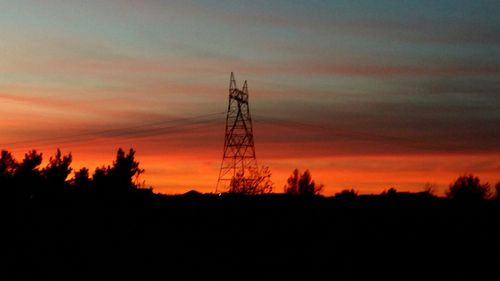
[(366, 94)]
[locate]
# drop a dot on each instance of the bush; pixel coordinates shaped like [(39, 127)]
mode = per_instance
[(468, 188), (347, 194), (258, 181), (302, 185)]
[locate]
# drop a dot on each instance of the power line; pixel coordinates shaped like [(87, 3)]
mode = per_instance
[(181, 124), (136, 131), (356, 136)]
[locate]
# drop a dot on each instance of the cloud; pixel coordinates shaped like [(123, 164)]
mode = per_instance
[(337, 91)]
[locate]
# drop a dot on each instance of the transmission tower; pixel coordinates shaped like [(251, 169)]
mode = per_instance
[(239, 151)]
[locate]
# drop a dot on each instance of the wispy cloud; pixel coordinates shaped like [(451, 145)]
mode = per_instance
[(388, 89)]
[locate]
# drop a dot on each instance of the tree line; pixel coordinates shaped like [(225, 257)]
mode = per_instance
[(28, 178)]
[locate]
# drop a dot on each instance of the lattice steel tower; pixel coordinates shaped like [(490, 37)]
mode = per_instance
[(239, 151)]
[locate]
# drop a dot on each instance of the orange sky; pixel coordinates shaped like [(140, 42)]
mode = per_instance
[(184, 159), (367, 96)]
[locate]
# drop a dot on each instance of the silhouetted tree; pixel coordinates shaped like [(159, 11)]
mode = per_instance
[(497, 189), (8, 166), (429, 189), (302, 185), (347, 194), (468, 188), (292, 186), (258, 182), (125, 171), (122, 176), (100, 178), (57, 170), (27, 172), (390, 192), (29, 166), (82, 179)]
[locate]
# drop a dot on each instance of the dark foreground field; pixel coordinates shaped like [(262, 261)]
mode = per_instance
[(205, 237)]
